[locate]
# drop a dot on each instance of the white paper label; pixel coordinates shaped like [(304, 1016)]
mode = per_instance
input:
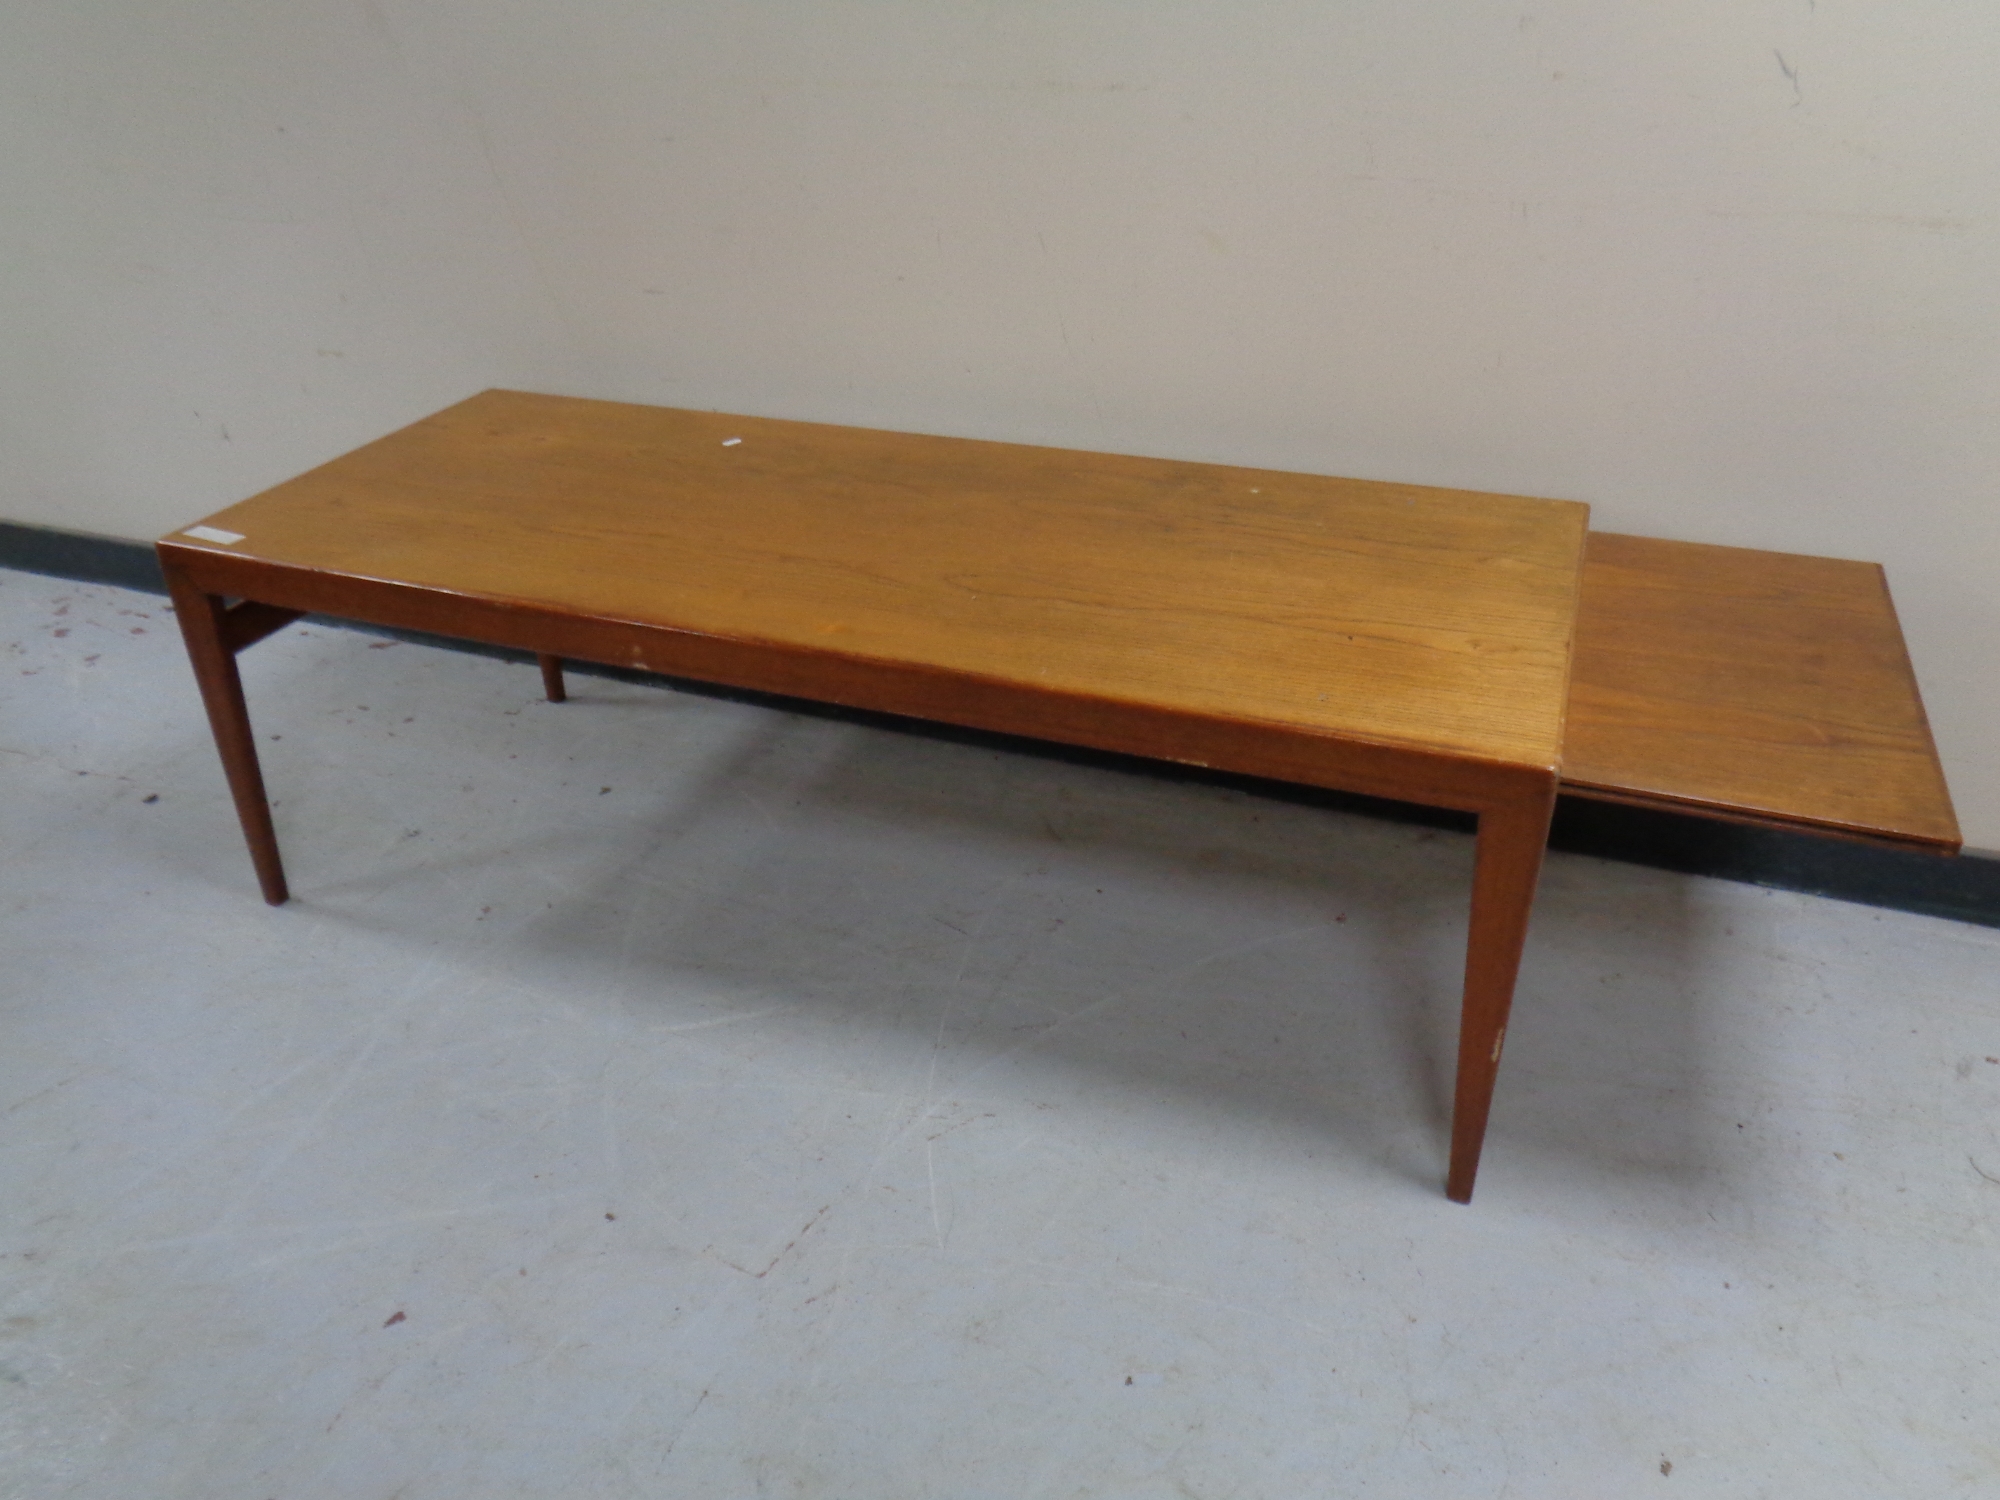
[(213, 534)]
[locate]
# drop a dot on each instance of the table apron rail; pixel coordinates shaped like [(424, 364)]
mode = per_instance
[(271, 596)]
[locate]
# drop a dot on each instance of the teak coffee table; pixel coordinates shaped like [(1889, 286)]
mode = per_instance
[(1393, 640)]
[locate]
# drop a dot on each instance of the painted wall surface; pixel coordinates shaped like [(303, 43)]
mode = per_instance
[(1726, 269)]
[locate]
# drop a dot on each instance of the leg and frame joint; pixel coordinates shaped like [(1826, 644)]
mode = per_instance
[(247, 622)]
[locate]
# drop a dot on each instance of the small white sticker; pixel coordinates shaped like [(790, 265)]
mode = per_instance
[(731, 442), (213, 534)]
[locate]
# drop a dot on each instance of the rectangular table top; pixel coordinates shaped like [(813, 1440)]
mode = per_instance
[(1389, 614), (1762, 686)]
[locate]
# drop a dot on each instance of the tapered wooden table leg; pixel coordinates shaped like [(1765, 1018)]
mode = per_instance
[(203, 627), (552, 677), (1511, 843)]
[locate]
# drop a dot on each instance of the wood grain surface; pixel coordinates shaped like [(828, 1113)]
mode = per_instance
[(1755, 685), (1389, 615)]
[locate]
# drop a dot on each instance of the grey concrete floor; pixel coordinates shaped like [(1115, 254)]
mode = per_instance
[(655, 1096)]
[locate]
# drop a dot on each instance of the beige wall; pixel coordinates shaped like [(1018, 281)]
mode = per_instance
[(1726, 270)]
